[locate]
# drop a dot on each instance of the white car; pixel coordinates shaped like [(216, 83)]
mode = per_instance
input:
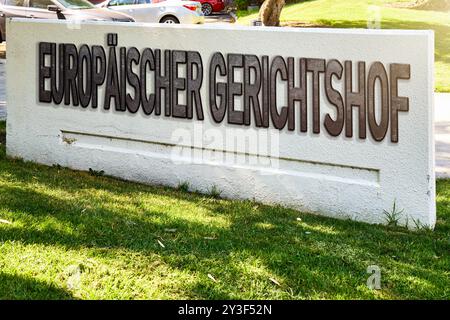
[(157, 11)]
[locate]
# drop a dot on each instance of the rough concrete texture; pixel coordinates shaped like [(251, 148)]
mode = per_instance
[(442, 134)]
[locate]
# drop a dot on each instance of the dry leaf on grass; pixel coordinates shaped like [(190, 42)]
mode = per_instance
[(275, 281), (161, 244), (211, 277), (5, 221)]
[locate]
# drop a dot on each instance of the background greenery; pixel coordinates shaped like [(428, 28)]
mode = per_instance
[(355, 14)]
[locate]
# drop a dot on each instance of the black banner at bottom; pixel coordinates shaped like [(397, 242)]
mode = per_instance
[(199, 309)]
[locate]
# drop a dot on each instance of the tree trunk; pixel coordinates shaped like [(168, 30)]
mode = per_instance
[(270, 12)]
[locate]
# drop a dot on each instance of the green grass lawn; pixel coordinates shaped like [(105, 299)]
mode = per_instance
[(71, 235), (355, 13)]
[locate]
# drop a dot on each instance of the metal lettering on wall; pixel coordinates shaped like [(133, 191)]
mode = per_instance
[(75, 75)]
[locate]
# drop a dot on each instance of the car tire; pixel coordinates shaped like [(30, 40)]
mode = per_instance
[(207, 9), (169, 19)]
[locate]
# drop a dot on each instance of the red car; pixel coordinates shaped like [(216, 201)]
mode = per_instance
[(210, 6)]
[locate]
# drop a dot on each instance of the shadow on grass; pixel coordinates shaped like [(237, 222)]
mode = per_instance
[(17, 287), (314, 255)]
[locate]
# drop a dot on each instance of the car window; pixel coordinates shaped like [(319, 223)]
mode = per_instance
[(17, 3), (39, 4), (121, 2), (76, 4), (144, 1)]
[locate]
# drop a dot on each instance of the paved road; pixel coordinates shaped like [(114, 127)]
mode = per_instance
[(442, 134), (442, 124)]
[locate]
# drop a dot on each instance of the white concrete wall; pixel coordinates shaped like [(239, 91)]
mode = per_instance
[(334, 176)]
